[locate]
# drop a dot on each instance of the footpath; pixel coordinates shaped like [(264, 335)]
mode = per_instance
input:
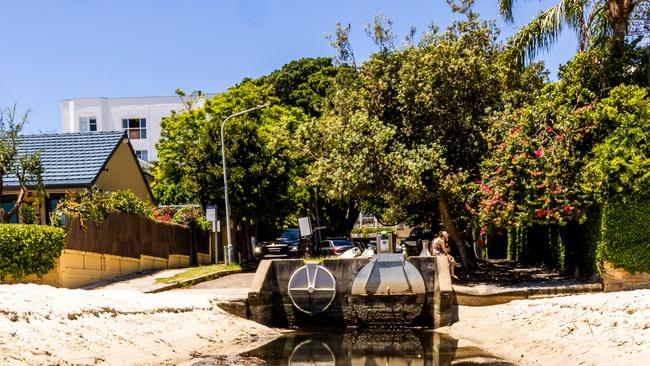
[(501, 281), (148, 282)]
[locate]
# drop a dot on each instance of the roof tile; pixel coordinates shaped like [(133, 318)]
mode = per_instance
[(69, 158)]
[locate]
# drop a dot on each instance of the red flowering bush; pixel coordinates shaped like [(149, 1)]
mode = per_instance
[(531, 175), (544, 165), (189, 215), (164, 213)]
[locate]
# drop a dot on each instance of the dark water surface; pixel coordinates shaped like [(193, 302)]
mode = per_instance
[(371, 348)]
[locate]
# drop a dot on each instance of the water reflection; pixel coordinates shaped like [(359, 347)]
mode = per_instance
[(401, 347)]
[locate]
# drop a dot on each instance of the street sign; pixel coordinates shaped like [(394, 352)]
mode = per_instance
[(320, 228), (211, 213), (305, 226)]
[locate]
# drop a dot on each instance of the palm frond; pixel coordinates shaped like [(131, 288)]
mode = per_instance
[(574, 13), (505, 8), (599, 27), (542, 32)]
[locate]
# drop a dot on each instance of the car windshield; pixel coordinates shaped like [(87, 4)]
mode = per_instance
[(339, 243), (291, 234), (421, 233)]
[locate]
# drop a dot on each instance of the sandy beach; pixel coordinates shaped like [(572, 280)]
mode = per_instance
[(595, 329), (42, 325)]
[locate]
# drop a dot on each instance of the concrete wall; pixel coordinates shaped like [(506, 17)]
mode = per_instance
[(203, 258), (77, 268), (266, 298), (443, 302), (616, 279), (269, 302)]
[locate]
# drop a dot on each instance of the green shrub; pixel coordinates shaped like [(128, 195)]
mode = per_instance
[(128, 202), (625, 234), (95, 205), (192, 216), (29, 249), (90, 204), (372, 230), (28, 213)]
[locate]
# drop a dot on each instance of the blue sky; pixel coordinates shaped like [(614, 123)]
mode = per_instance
[(53, 50)]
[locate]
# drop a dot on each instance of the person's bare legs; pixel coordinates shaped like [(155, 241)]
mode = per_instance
[(452, 266)]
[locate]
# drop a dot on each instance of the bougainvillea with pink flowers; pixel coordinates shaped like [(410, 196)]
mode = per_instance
[(548, 161)]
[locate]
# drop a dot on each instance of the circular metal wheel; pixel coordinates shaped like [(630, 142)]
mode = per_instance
[(312, 288), (312, 352)]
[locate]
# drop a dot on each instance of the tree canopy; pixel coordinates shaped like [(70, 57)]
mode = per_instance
[(438, 131)]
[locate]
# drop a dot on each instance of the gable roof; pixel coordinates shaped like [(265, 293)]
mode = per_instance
[(69, 159)]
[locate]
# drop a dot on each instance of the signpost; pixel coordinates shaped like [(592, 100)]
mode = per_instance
[(211, 215)]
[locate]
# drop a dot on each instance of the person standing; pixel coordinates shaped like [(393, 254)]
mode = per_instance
[(440, 246)]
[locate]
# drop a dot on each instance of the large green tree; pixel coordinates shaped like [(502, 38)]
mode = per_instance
[(305, 85), (406, 134), (259, 153)]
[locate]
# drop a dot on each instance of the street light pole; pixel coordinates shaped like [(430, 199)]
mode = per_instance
[(230, 253)]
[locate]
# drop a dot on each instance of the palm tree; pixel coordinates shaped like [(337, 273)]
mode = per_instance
[(593, 21)]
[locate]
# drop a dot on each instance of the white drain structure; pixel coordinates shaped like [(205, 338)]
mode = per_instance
[(312, 288)]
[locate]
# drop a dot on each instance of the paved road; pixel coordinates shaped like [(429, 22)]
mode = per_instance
[(231, 287)]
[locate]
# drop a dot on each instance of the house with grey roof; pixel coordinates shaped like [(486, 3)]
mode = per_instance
[(74, 161)]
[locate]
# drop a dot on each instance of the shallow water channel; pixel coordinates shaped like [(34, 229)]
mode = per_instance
[(371, 347)]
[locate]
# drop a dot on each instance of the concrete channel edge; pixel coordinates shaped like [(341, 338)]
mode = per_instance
[(467, 296), (195, 280)]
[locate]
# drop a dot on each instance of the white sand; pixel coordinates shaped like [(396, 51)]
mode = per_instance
[(45, 325), (595, 329)]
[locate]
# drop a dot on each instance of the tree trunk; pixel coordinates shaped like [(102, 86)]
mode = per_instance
[(340, 217), (469, 261), (619, 13)]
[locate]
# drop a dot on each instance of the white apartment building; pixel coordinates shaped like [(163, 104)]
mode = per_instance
[(140, 117)]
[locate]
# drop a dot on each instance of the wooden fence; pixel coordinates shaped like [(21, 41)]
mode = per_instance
[(131, 236)]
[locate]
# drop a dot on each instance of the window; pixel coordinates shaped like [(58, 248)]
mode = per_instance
[(87, 124), (50, 205), (7, 204), (136, 128), (142, 155)]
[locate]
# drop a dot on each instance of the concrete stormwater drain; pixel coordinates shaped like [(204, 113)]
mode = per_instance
[(386, 291)]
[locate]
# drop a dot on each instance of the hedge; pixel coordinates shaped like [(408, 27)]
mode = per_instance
[(29, 249), (372, 230), (625, 234)]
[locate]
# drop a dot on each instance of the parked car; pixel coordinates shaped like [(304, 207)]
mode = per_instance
[(413, 243), (333, 247), (287, 244)]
